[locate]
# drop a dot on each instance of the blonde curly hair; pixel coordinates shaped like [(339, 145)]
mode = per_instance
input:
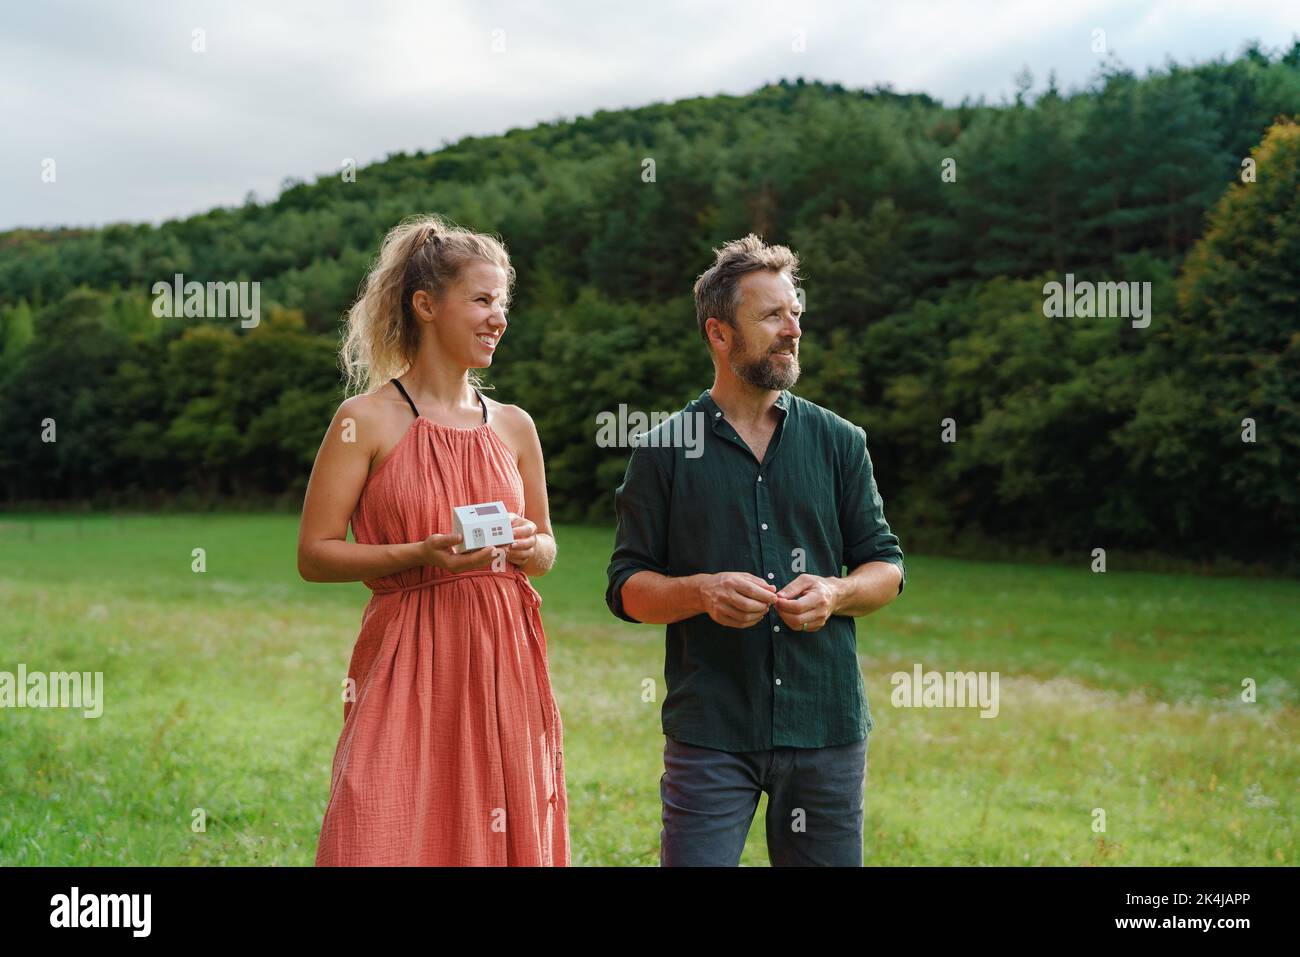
[(422, 252)]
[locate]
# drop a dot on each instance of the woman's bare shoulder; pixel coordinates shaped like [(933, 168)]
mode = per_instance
[(512, 415), (513, 423), (374, 418), (366, 408)]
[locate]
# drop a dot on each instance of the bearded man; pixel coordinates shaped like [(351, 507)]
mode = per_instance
[(741, 552)]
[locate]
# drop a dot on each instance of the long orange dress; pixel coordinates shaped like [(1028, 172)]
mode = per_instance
[(452, 752)]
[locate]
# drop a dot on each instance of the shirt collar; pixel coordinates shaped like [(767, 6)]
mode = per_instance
[(782, 402)]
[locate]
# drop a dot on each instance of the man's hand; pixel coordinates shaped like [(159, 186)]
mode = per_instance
[(736, 599), (808, 602)]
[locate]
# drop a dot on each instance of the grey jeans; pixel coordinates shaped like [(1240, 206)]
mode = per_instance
[(814, 804)]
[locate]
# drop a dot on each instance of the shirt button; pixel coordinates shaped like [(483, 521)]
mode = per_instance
[(717, 415), (760, 478), (778, 680), (776, 627), (770, 575), (765, 526)]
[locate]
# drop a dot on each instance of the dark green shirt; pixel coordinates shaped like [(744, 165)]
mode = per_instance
[(703, 504)]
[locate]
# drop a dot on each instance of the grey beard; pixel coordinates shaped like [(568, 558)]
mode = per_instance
[(764, 373)]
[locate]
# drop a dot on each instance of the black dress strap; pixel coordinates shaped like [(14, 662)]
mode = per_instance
[(406, 397), (417, 411)]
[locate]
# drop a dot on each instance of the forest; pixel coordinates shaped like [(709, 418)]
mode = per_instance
[(928, 236)]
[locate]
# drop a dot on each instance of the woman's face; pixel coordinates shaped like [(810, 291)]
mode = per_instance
[(470, 318)]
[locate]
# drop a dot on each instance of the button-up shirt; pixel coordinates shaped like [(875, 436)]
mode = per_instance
[(697, 501)]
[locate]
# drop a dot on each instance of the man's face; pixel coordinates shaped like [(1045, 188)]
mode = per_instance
[(765, 352)]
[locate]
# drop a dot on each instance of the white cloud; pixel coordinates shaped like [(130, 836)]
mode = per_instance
[(143, 128)]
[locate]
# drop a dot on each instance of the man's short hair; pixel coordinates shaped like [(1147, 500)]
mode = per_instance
[(717, 290)]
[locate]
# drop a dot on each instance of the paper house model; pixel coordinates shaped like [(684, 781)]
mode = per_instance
[(487, 523)]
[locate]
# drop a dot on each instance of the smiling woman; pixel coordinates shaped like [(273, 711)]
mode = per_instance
[(451, 751)]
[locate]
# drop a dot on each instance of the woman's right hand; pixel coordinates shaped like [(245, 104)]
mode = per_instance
[(437, 551)]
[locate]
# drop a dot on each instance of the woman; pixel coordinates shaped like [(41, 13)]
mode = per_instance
[(452, 748)]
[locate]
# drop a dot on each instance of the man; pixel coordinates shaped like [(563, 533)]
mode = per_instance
[(738, 549)]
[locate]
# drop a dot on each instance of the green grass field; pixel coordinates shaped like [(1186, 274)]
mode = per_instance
[(1119, 691)]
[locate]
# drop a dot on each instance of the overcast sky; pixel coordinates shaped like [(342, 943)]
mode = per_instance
[(141, 127)]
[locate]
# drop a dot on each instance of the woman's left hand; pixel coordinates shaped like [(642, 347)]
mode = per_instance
[(525, 542)]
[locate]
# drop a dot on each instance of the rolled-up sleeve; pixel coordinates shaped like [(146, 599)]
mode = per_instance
[(641, 539), (867, 537)]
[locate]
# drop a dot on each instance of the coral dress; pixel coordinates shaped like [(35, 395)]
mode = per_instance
[(452, 751)]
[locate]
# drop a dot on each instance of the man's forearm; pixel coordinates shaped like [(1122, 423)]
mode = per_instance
[(870, 586), (660, 599)]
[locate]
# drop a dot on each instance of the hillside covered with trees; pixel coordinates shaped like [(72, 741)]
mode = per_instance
[(925, 303)]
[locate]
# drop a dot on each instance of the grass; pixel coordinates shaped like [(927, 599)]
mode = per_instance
[(1119, 691)]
